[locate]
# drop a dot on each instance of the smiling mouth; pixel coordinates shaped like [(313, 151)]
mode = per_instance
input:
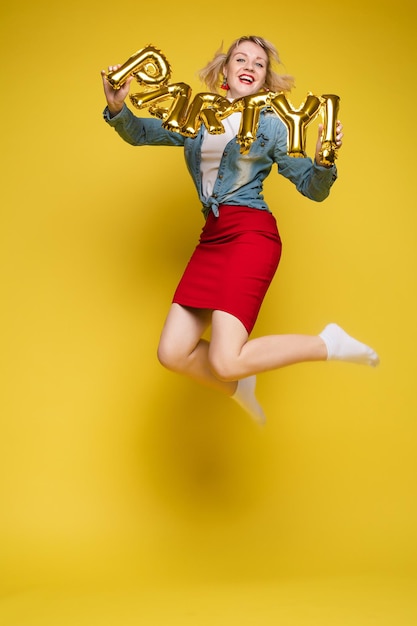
[(245, 78)]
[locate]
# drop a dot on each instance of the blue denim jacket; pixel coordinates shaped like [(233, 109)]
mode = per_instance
[(240, 176)]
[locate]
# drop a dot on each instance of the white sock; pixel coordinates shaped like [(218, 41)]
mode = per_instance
[(342, 347), (245, 397)]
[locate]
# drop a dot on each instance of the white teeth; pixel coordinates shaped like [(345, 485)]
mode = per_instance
[(246, 79)]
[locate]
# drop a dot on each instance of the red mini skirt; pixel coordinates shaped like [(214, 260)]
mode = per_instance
[(233, 264)]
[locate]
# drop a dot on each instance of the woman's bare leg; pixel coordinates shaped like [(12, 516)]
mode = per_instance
[(229, 362), (233, 357), (182, 349)]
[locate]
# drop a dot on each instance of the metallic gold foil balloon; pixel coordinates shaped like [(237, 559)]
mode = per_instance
[(144, 99), (173, 116), (330, 108), (182, 117), (177, 113), (148, 65), (151, 68), (296, 120), (251, 108), (207, 108), (211, 117)]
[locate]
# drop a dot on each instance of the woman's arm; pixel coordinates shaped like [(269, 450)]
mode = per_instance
[(132, 129), (311, 178)]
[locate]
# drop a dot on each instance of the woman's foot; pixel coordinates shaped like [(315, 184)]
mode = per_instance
[(245, 397), (342, 347)]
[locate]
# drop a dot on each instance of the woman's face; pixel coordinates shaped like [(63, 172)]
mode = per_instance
[(246, 70)]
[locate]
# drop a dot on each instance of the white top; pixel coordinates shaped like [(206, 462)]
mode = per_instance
[(212, 150)]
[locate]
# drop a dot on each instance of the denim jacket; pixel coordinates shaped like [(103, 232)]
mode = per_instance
[(240, 176)]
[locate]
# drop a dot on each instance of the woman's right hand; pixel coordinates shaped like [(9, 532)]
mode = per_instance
[(115, 97)]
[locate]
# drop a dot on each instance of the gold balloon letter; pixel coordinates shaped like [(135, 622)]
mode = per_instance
[(148, 65), (173, 116), (151, 68), (296, 120), (207, 108), (330, 109), (250, 107)]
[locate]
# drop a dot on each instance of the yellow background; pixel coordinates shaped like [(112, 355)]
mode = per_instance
[(130, 495)]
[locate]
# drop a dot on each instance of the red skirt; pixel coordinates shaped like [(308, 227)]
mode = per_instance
[(233, 264)]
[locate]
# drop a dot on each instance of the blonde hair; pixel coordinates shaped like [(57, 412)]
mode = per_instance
[(211, 73)]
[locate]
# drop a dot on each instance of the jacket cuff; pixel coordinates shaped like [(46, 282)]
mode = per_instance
[(113, 119)]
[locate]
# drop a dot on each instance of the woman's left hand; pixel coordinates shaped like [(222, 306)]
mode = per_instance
[(339, 137)]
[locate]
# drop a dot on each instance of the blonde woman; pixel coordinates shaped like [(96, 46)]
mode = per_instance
[(229, 273)]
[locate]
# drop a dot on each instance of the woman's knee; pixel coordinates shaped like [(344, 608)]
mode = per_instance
[(223, 366), (227, 340), (168, 357), (180, 336)]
